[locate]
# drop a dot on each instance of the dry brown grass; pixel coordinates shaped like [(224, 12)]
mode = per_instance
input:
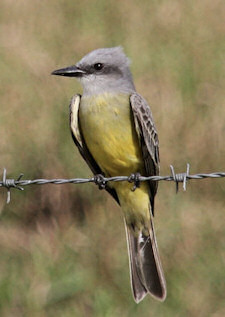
[(63, 249)]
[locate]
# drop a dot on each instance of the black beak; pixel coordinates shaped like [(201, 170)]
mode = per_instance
[(71, 71)]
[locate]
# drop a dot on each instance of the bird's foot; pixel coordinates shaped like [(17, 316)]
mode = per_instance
[(100, 181), (135, 178)]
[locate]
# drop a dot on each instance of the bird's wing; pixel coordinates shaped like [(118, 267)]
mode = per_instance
[(148, 138), (80, 142)]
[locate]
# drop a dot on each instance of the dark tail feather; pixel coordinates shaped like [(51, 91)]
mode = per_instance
[(145, 265)]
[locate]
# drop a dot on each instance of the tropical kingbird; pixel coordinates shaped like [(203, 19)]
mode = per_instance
[(113, 128)]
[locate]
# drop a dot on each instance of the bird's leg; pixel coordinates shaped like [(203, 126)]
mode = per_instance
[(99, 180), (134, 178)]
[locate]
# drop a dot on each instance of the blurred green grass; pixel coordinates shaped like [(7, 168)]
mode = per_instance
[(63, 248)]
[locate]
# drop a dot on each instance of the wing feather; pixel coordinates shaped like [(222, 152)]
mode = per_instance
[(148, 138)]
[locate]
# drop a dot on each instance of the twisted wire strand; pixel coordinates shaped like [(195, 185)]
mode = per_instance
[(177, 178)]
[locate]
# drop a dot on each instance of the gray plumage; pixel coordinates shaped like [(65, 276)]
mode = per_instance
[(114, 77)]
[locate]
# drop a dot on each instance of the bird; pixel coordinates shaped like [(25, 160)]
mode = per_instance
[(113, 128)]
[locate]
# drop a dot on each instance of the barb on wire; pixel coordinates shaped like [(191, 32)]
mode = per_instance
[(181, 177), (101, 181), (9, 183)]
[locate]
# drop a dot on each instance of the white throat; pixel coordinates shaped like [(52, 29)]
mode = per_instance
[(94, 85)]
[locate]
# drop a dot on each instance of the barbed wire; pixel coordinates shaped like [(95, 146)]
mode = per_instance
[(102, 181)]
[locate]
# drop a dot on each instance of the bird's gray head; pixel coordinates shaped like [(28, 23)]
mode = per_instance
[(102, 70)]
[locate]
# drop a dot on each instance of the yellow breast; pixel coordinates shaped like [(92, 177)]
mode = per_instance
[(107, 125)]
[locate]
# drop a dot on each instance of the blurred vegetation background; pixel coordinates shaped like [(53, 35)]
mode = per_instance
[(63, 248)]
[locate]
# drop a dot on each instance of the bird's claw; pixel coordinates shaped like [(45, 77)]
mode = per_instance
[(134, 178), (100, 181)]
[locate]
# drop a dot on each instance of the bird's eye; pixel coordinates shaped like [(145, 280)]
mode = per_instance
[(98, 66)]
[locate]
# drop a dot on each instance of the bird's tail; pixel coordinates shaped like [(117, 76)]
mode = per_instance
[(145, 266)]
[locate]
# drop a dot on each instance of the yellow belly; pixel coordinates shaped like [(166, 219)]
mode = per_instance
[(108, 129), (107, 125)]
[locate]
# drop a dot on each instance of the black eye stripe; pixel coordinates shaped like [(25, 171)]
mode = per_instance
[(98, 66)]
